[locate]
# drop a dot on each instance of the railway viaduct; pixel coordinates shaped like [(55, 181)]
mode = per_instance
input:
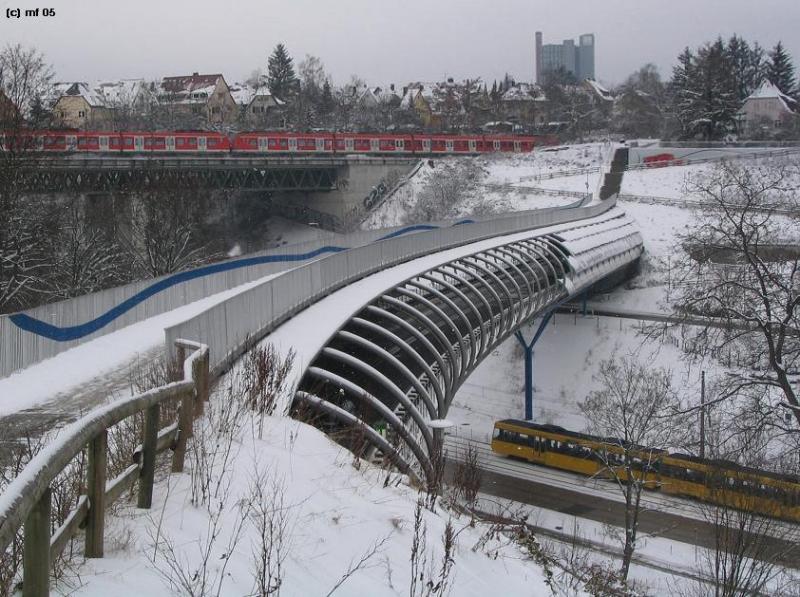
[(325, 190)]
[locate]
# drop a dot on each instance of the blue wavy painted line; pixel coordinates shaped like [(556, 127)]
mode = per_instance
[(75, 332), (64, 334)]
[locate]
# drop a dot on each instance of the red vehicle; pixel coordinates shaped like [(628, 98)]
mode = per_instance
[(267, 142)]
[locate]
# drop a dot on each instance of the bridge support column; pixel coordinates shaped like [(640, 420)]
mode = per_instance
[(528, 348)]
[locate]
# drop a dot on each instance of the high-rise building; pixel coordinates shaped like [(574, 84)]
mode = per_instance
[(577, 60)]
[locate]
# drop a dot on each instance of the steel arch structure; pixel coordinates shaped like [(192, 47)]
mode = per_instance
[(396, 364)]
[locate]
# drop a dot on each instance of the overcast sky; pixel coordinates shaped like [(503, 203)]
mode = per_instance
[(382, 41)]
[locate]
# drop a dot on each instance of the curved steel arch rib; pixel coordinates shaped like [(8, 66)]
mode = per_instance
[(418, 341)]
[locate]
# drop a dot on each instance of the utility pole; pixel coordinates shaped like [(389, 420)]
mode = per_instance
[(702, 414)]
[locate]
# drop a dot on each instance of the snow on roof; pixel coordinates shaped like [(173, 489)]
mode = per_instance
[(768, 91), (243, 94), (120, 92), (601, 91), (385, 94), (90, 94), (192, 89), (523, 92), (407, 101)]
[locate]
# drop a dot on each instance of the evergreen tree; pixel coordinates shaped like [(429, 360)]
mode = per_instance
[(281, 78), (326, 103), (780, 70), (746, 66), (703, 87)]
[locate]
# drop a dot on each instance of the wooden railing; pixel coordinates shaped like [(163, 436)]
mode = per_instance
[(26, 502)]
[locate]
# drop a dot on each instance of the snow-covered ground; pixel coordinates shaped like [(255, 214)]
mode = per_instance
[(505, 183), (672, 182), (334, 515)]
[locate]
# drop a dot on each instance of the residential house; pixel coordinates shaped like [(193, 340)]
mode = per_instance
[(383, 102), (524, 104), (256, 104), (437, 105), (196, 100), (80, 105), (767, 110)]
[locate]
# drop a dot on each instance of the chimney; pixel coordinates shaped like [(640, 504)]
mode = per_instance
[(195, 74), (391, 86)]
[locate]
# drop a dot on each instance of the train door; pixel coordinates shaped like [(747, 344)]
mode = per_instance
[(138, 143), (262, 144), (449, 147), (399, 145), (170, 143), (201, 144), (517, 146), (72, 143), (103, 142), (349, 145), (473, 146), (374, 145), (320, 144), (426, 145), (292, 144), (496, 145)]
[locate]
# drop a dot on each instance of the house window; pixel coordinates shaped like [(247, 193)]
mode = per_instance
[(215, 110), (81, 114)]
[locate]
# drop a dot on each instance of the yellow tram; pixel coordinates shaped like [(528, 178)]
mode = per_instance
[(715, 481)]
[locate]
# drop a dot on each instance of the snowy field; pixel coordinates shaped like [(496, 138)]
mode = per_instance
[(504, 184), (338, 513), (334, 516)]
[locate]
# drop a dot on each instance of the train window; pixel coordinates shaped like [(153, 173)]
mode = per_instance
[(128, 142)]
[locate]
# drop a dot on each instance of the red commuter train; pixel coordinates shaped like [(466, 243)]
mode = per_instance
[(268, 143)]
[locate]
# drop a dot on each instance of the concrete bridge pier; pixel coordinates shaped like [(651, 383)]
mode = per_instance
[(361, 183)]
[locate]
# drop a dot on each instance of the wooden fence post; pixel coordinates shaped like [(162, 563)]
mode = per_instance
[(36, 555), (181, 355), (145, 498), (96, 490), (185, 429)]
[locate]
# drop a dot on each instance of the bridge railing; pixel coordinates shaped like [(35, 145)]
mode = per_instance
[(26, 502), (42, 332), (234, 325)]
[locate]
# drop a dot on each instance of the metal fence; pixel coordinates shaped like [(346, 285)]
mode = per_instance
[(36, 334), (232, 326)]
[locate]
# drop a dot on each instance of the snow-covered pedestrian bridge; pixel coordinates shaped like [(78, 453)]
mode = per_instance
[(387, 362)]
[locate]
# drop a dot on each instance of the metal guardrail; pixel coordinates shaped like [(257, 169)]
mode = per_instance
[(33, 335), (236, 324), (27, 499)]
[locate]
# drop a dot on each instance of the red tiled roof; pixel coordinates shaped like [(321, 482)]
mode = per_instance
[(188, 83)]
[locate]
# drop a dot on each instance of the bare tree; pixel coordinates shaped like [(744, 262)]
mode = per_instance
[(744, 558), (88, 259), (632, 412), (743, 267), (165, 233), (24, 78)]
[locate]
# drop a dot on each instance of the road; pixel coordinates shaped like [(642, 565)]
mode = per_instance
[(662, 516)]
